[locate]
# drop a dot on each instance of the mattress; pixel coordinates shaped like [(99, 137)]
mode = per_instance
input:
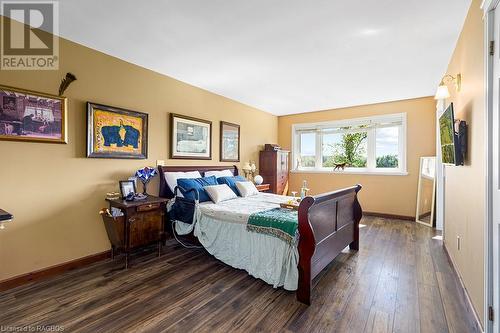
[(239, 210)]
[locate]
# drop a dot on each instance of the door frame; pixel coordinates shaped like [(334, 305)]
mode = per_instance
[(488, 7)]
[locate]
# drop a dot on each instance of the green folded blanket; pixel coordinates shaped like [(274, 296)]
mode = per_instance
[(278, 222)]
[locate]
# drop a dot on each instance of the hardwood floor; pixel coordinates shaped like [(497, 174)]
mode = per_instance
[(399, 281)]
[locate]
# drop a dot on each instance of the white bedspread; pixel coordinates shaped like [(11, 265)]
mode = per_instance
[(238, 210), (221, 229)]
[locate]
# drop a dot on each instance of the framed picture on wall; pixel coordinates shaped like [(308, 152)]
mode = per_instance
[(116, 133), (229, 142), (32, 116), (191, 138)]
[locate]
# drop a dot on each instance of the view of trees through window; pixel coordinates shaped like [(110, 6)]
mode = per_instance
[(307, 149), (387, 147), (360, 146), (349, 148)]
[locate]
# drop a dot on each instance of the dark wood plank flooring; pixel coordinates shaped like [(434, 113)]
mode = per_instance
[(399, 281)]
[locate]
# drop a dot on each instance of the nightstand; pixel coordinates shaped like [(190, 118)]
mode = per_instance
[(142, 224), (263, 187)]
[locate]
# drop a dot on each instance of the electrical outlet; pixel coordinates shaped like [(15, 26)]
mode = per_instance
[(458, 243), (160, 162)]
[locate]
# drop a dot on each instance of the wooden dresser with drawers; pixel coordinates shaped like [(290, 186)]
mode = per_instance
[(273, 167)]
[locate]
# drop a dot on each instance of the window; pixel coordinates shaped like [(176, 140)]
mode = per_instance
[(308, 149), (40, 114), (387, 147), (369, 145)]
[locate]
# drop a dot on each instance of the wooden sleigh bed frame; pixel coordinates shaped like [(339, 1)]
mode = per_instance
[(328, 223)]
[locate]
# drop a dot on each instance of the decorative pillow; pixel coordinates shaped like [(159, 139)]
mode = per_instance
[(246, 189), (220, 193), (197, 183), (231, 182), (171, 178), (223, 173)]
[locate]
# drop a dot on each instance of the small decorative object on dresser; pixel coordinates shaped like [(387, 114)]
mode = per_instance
[(113, 195), (229, 142), (273, 167), (32, 116), (191, 138), (247, 170), (141, 223), (258, 180), (145, 175), (116, 133)]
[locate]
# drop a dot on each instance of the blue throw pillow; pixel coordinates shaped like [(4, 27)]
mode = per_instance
[(197, 183), (231, 182)]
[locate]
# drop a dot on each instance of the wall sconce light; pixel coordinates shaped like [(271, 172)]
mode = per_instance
[(442, 90)]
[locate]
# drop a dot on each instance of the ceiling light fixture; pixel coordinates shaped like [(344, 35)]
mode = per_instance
[(442, 90)]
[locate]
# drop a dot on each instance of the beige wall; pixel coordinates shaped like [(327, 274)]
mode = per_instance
[(382, 194), (464, 186), (55, 192)]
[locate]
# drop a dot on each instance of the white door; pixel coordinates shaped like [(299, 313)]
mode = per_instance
[(494, 168)]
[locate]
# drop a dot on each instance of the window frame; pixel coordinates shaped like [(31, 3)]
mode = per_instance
[(371, 145)]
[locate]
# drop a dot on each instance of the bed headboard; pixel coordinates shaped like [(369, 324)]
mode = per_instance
[(165, 191)]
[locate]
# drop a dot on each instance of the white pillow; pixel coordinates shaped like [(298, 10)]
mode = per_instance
[(217, 174), (220, 193), (246, 189), (171, 178)]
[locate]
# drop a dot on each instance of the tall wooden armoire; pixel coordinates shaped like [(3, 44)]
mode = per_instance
[(273, 167)]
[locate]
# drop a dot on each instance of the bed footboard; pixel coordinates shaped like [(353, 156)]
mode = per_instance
[(327, 224)]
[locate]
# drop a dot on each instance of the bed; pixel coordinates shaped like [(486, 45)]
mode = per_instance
[(327, 223)]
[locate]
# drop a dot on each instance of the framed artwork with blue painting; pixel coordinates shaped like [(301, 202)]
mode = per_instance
[(116, 133)]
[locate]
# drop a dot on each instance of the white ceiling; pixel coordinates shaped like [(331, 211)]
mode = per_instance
[(281, 56)]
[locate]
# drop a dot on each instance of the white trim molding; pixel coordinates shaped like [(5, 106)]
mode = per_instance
[(353, 171), (440, 170), (489, 5)]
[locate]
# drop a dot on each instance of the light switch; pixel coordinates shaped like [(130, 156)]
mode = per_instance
[(160, 162)]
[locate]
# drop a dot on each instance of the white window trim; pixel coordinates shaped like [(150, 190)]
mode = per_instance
[(371, 169)]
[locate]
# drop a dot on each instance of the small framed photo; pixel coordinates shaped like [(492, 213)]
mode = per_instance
[(127, 187), (191, 138), (229, 142)]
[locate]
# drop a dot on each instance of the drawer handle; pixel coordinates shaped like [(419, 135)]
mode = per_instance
[(147, 207)]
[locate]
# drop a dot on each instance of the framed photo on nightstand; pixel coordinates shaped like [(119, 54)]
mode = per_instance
[(127, 187)]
